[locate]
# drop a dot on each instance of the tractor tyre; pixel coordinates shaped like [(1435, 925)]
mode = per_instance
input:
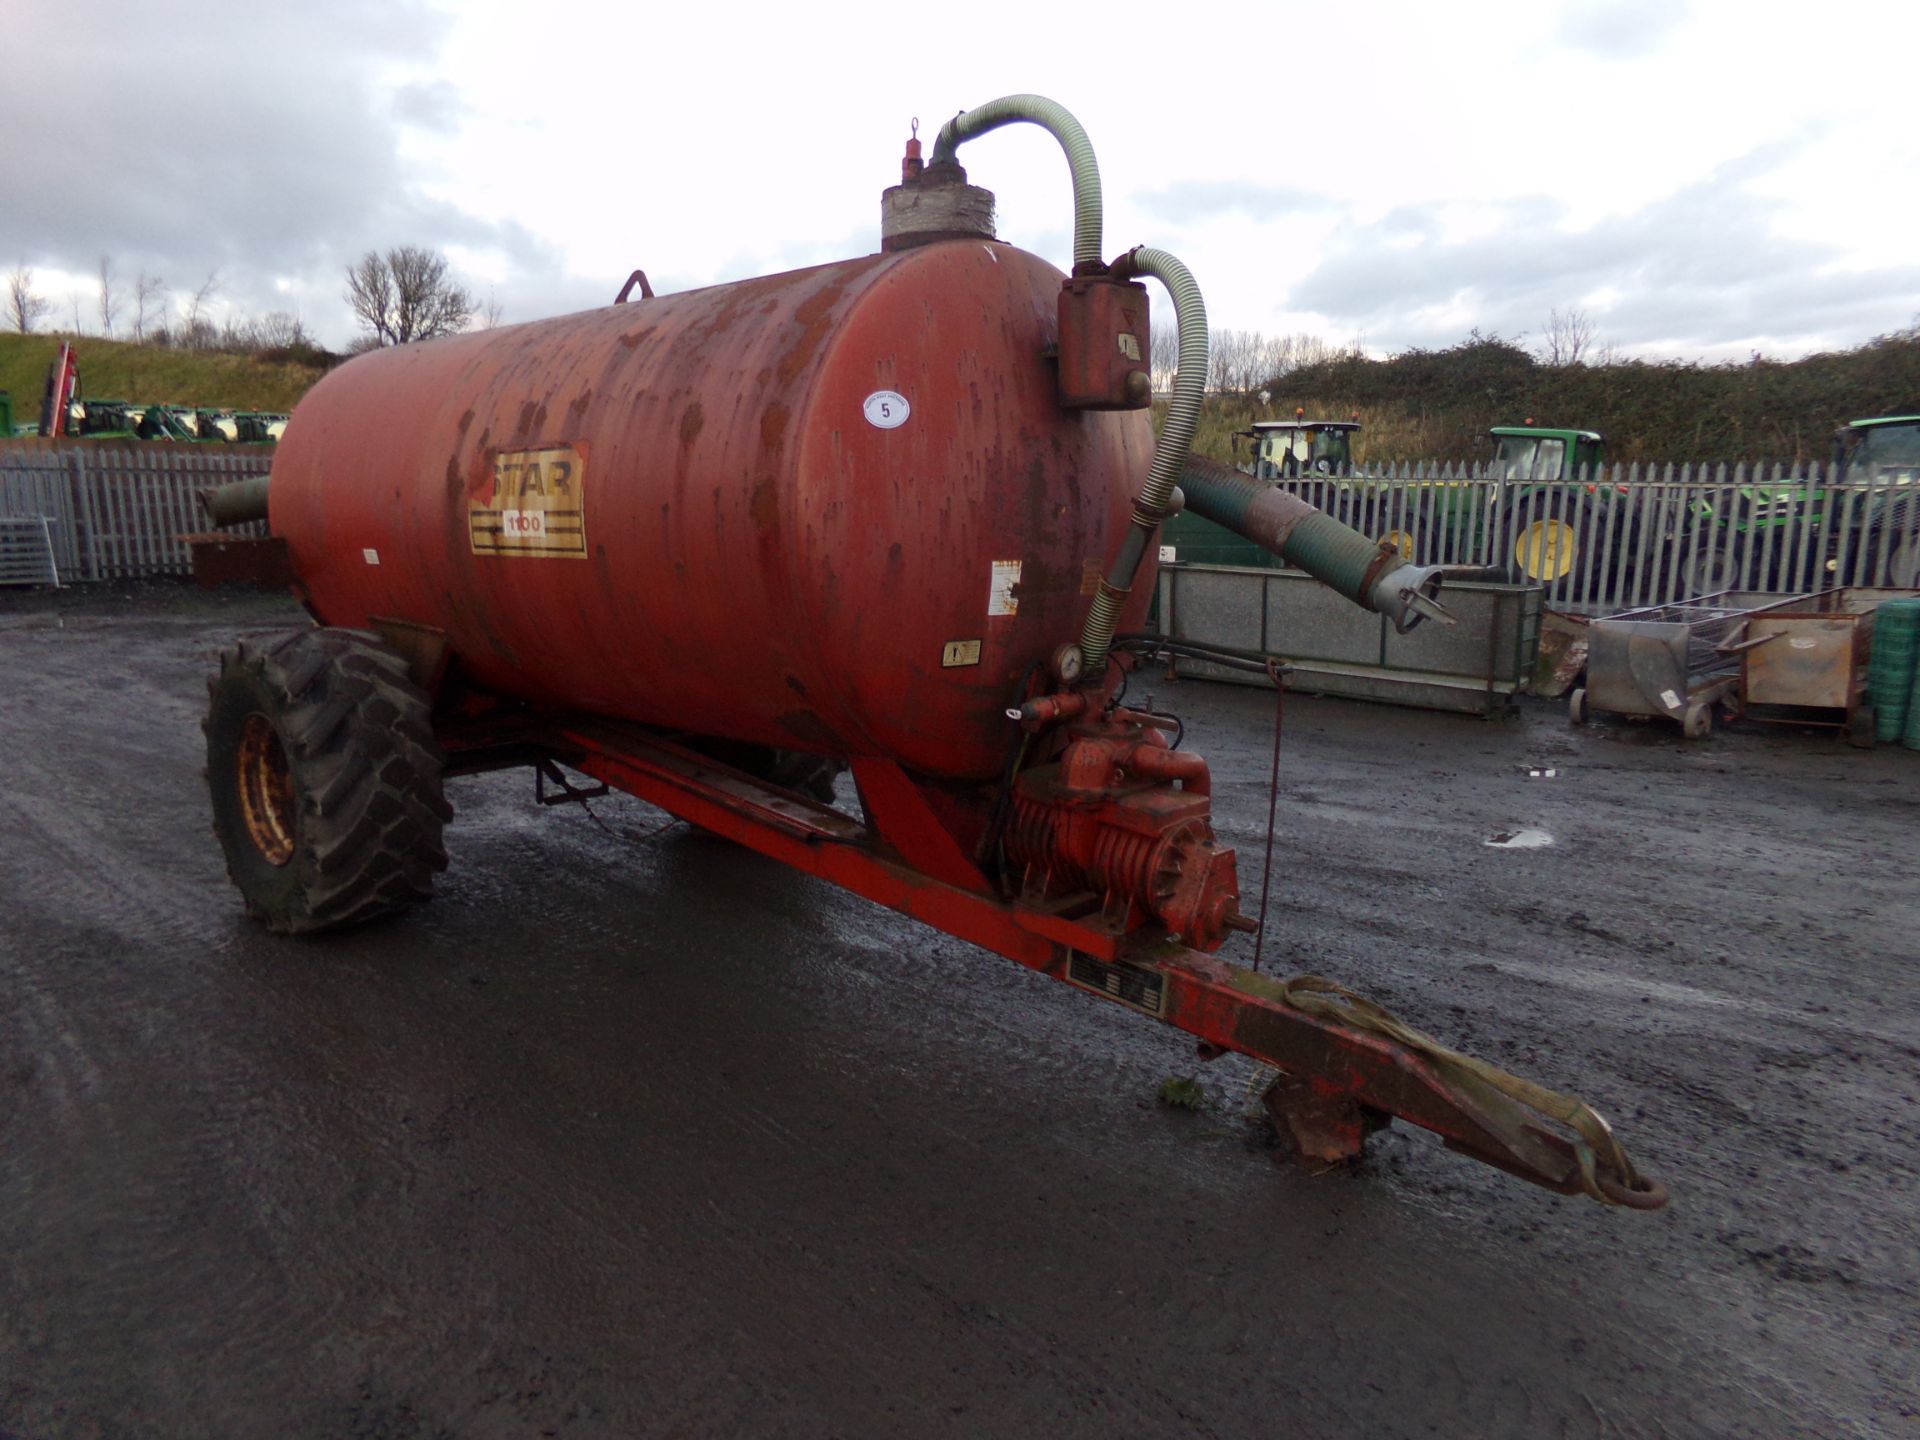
[(1549, 535), (1712, 568), (1899, 531), (325, 780), (1400, 524)]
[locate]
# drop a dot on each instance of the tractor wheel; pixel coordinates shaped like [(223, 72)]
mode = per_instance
[(1577, 706), (325, 780), (1548, 536), (1400, 523), (1712, 568), (1903, 547), (1903, 563)]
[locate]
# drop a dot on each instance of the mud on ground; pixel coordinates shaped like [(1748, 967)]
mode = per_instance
[(648, 1136)]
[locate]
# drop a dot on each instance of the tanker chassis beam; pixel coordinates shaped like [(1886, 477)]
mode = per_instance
[(1345, 1068)]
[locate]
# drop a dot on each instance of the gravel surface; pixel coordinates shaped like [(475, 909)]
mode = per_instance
[(629, 1136)]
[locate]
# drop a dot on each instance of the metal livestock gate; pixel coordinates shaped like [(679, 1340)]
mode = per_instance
[(113, 510)]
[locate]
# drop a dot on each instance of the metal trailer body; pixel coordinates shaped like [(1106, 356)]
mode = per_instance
[(1328, 647), (1811, 654), (1671, 661)]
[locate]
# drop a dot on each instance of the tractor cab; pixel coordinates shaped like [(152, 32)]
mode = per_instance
[(1530, 452), (1888, 446), (1285, 448)]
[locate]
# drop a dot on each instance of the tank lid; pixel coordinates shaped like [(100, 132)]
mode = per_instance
[(935, 204)]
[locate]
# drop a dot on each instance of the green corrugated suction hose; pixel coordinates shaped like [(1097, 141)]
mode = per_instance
[(1169, 452), (1052, 117)]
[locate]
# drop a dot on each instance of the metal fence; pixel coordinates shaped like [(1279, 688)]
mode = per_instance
[(1625, 536), (1619, 537), (111, 511)]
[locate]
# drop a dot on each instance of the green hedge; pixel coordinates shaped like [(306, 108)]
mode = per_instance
[(1648, 410)]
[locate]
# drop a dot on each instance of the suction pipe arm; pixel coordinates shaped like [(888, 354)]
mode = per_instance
[(1053, 118), (1359, 568), (1169, 454)]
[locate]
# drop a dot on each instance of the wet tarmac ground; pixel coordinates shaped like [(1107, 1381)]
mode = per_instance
[(632, 1132)]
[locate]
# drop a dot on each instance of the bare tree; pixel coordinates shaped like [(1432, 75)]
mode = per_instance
[(1569, 336), (407, 295), (1163, 352), (1235, 357), (280, 331), (111, 301), (487, 317), (196, 312), (26, 307), (149, 302)]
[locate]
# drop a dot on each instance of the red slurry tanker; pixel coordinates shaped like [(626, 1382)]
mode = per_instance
[(891, 514)]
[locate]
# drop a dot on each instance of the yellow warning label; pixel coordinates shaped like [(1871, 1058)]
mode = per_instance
[(533, 505)]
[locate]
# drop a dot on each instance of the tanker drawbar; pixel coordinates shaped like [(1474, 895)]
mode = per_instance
[(892, 516)]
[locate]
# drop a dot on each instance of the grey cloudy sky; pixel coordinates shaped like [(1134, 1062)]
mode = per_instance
[(1702, 178)]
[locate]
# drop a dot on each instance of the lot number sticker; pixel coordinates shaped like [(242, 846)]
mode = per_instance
[(886, 409)]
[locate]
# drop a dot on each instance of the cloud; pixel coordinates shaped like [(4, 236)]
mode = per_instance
[(1622, 29), (431, 105), (260, 141), (1189, 201), (1693, 271)]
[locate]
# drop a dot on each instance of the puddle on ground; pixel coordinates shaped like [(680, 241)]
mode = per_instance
[(1518, 839)]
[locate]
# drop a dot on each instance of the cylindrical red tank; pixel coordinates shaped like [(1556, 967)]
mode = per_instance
[(838, 510)]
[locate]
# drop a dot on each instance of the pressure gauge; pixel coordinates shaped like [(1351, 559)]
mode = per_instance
[(1067, 664)]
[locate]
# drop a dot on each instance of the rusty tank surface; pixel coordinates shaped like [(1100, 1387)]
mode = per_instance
[(837, 510), (892, 516)]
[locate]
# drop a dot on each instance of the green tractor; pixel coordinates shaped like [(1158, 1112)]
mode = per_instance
[(1868, 526), (1288, 449), (1554, 518), (1884, 453), (1888, 446)]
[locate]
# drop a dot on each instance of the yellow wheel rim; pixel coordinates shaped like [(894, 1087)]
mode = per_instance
[(1399, 540), (266, 790), (1544, 549)]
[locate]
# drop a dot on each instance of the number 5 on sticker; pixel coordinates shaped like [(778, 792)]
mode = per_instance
[(886, 409)]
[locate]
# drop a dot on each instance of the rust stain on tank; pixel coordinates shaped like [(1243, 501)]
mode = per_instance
[(692, 420), (773, 430), (815, 315), (765, 506)]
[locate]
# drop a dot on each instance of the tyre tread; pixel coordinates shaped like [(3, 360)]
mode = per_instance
[(367, 776)]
